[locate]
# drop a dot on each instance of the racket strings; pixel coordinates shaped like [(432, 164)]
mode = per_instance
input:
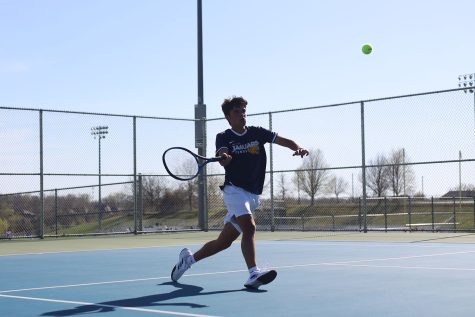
[(181, 164)]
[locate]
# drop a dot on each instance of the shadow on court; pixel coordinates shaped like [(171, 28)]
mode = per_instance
[(182, 291)]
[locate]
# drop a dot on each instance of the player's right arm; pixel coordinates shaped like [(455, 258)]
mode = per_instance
[(222, 149)]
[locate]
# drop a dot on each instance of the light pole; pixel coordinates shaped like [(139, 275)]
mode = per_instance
[(99, 132), (460, 180), (467, 81), (200, 125)]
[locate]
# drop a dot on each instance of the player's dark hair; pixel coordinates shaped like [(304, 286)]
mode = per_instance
[(231, 103)]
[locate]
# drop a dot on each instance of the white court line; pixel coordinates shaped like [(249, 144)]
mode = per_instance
[(147, 247), (146, 310), (404, 257), (369, 244), (99, 250), (338, 263), (113, 282), (83, 284), (410, 267), (372, 243), (355, 263), (78, 251)]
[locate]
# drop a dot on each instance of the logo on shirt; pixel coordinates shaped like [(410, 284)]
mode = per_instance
[(250, 147)]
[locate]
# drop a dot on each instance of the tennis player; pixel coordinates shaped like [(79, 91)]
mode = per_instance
[(244, 160)]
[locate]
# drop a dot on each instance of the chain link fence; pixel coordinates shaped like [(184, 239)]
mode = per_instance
[(400, 163)]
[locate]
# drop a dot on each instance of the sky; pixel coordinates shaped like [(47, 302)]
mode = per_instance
[(140, 57)]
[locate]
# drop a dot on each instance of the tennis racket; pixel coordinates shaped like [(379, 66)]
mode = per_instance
[(184, 165)]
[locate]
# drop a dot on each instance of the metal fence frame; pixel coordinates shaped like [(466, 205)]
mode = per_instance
[(203, 184)]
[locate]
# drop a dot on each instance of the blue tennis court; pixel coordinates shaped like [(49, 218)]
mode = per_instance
[(340, 275)]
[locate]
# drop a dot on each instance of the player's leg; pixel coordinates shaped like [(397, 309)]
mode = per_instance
[(257, 276), (248, 247), (186, 258), (224, 241)]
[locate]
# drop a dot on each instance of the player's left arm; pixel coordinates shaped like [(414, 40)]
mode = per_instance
[(288, 143)]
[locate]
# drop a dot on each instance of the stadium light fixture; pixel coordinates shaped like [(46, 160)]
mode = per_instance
[(100, 132), (467, 81)]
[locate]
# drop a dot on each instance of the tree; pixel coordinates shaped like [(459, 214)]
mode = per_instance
[(188, 167), (153, 188), (4, 226), (313, 173), (337, 185), (377, 175), (297, 180), (402, 177), (282, 187), (5, 213), (214, 180)]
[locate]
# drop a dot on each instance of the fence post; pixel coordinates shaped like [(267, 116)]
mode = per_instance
[(200, 144), (455, 215), (204, 183), (134, 145), (409, 213), (359, 213), (56, 211), (433, 216), (140, 204), (42, 197), (363, 168), (385, 214), (271, 161)]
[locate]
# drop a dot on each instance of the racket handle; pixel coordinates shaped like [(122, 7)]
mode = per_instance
[(216, 159)]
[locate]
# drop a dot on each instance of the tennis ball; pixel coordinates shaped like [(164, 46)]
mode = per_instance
[(366, 49)]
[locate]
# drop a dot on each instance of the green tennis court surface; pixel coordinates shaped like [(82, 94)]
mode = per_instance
[(319, 274)]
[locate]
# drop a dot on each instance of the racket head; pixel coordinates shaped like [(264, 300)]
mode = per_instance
[(181, 163)]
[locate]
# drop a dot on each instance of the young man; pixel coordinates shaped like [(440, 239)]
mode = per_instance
[(244, 160)]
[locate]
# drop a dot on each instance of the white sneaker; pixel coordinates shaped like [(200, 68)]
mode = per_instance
[(183, 264), (260, 277)]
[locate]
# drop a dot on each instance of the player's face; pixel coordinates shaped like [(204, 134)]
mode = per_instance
[(237, 118)]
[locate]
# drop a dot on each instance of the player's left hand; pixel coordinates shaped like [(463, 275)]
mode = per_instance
[(301, 152)]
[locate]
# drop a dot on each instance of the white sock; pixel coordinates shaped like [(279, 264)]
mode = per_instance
[(253, 269), (190, 260)]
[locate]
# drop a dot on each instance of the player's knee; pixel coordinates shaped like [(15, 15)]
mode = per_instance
[(249, 229), (224, 244), (227, 244)]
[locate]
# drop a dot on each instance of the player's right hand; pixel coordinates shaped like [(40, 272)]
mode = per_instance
[(226, 158)]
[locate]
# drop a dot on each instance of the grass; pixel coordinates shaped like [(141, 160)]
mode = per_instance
[(324, 215)]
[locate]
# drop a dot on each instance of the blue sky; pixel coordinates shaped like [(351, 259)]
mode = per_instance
[(139, 57)]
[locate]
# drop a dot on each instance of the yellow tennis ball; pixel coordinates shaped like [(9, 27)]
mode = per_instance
[(367, 49)]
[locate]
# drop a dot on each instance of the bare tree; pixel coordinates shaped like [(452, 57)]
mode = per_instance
[(153, 189), (313, 173), (377, 175), (188, 167), (337, 185), (297, 180), (214, 181), (402, 177), (282, 187)]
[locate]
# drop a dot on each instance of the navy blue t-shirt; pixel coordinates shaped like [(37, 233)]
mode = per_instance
[(248, 167)]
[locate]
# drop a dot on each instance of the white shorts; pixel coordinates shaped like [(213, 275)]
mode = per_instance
[(238, 202)]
